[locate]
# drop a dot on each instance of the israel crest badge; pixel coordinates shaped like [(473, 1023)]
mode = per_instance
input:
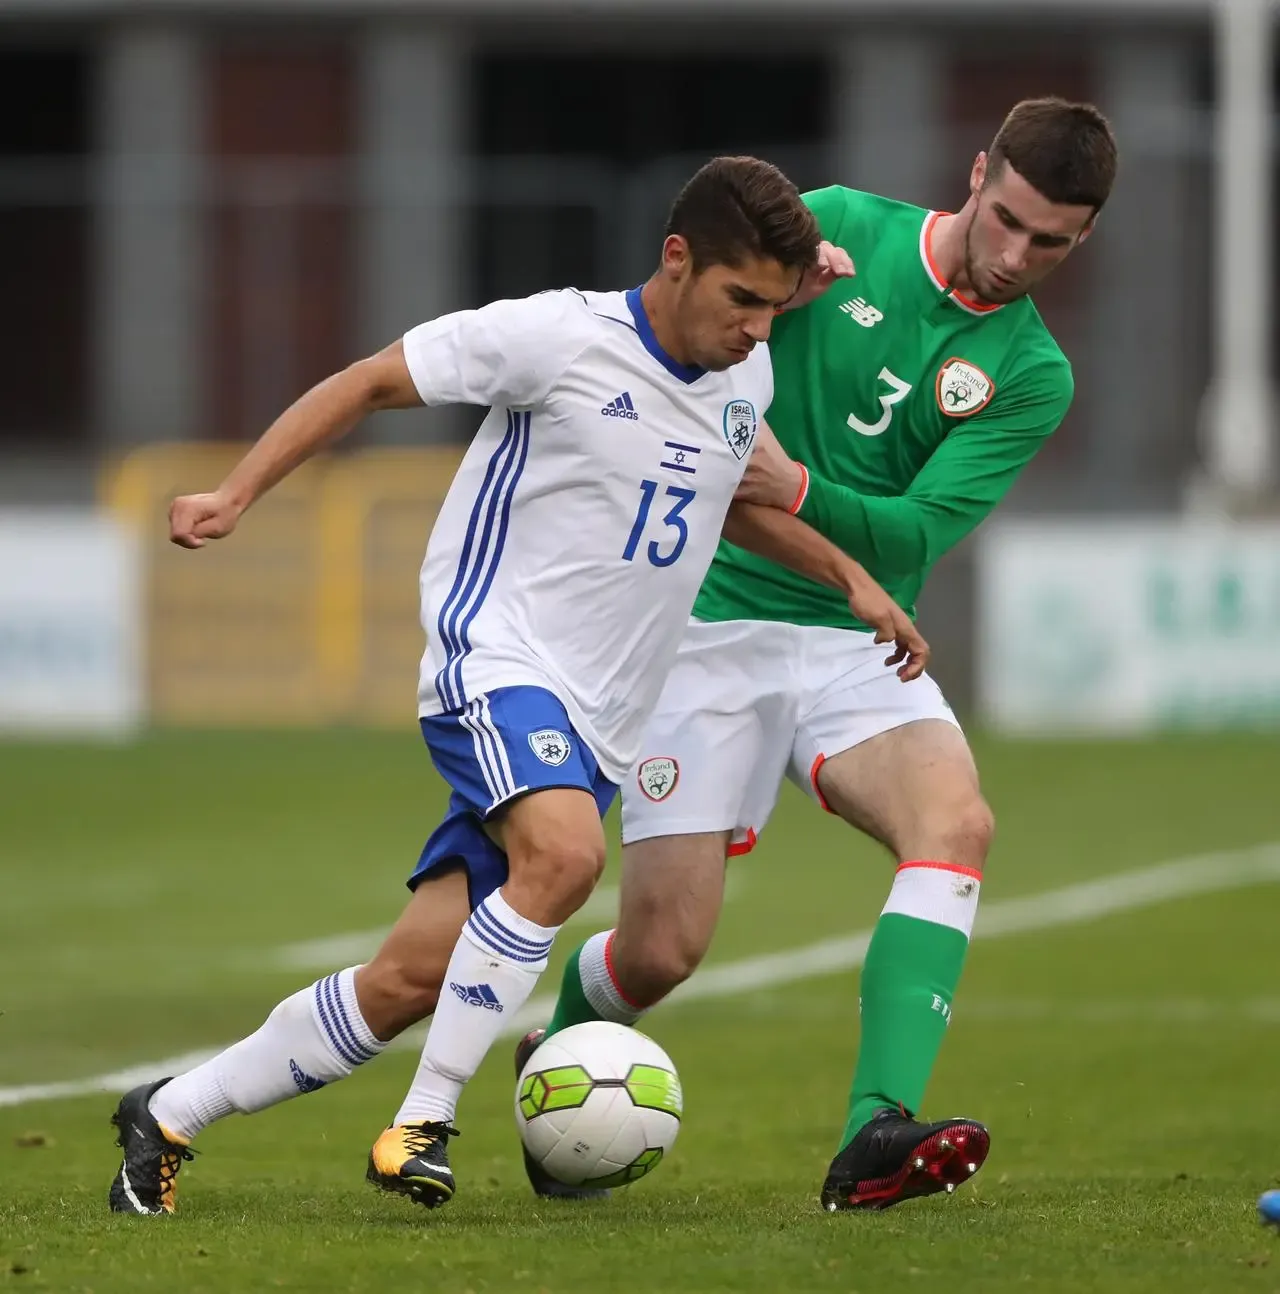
[(550, 746), (740, 426)]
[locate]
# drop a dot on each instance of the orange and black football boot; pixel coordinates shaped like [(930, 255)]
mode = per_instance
[(413, 1159), (148, 1177)]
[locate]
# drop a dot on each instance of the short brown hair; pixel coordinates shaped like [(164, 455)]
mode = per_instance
[(1065, 151), (737, 208)]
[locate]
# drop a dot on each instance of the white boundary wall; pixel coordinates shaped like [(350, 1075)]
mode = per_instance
[(70, 624)]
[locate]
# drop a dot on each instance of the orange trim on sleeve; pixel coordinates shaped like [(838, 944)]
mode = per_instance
[(803, 492)]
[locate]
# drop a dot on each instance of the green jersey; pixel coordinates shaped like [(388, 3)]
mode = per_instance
[(912, 408)]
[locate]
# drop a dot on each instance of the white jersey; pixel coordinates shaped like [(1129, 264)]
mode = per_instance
[(583, 518)]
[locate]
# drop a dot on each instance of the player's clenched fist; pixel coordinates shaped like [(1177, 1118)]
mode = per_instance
[(193, 518)]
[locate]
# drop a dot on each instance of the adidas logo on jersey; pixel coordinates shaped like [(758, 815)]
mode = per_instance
[(478, 995), (621, 407), (862, 312)]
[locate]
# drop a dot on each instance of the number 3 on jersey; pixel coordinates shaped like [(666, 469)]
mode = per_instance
[(673, 520), (900, 391)]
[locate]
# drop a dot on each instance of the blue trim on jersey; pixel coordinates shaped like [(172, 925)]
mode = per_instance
[(479, 561), (502, 498), (622, 323), (687, 373), (464, 561)]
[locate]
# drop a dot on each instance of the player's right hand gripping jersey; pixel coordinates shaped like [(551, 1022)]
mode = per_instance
[(583, 518), (913, 408)]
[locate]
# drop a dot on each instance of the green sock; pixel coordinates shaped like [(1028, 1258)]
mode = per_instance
[(572, 1006), (588, 990), (908, 981)]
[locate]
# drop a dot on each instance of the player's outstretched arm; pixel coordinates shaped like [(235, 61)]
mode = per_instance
[(324, 414), (963, 480), (787, 540)]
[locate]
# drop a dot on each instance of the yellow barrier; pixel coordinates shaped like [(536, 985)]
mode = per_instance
[(309, 613)]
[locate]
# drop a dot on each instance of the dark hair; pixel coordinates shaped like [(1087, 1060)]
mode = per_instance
[(1065, 151), (738, 208)]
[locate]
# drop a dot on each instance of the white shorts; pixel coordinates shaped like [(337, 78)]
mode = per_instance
[(749, 701)]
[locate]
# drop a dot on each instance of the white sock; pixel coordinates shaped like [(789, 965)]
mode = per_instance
[(944, 893), (495, 965), (599, 984), (315, 1037)]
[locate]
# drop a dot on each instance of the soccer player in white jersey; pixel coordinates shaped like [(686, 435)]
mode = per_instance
[(556, 588)]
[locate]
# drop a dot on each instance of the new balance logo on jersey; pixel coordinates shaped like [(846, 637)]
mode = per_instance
[(621, 407), (478, 995), (862, 312), (306, 1083)]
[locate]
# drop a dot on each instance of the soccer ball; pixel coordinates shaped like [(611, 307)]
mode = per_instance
[(598, 1105)]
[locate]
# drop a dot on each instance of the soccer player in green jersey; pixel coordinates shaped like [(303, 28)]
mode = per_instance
[(907, 400)]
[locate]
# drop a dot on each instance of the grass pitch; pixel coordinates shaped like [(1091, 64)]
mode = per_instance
[(1127, 1066)]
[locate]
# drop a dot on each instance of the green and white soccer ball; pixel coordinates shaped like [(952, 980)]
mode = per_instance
[(599, 1105)]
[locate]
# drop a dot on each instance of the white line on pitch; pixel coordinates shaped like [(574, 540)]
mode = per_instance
[(1070, 905), (1127, 1011), (1226, 1013), (359, 945)]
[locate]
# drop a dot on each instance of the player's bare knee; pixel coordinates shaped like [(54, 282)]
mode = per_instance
[(564, 871), (656, 952), (966, 834), (666, 964)]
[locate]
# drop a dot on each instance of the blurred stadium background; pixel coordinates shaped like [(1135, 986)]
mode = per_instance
[(206, 205)]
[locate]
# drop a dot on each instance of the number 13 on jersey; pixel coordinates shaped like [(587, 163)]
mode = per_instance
[(672, 521)]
